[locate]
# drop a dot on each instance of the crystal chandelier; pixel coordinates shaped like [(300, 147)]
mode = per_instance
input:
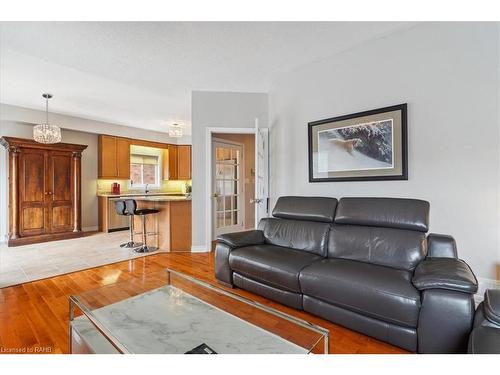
[(47, 133), (175, 131)]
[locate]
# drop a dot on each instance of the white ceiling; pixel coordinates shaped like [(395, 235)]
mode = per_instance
[(141, 74)]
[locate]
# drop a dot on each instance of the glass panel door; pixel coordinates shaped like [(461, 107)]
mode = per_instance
[(227, 188)]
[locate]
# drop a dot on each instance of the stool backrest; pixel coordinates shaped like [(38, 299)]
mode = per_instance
[(131, 206), (120, 207)]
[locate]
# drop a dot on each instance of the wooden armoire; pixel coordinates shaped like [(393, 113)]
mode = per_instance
[(44, 191)]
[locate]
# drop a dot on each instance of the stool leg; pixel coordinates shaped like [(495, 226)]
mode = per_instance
[(131, 226), (144, 248), (131, 244), (144, 234)]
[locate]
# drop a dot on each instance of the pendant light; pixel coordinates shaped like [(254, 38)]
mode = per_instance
[(47, 133)]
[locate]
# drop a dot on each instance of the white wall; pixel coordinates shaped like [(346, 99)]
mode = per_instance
[(448, 73), (218, 110)]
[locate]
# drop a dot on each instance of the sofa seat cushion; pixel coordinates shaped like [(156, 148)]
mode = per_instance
[(377, 291), (273, 265)]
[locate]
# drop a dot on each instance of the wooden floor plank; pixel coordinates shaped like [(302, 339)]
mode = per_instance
[(35, 314)]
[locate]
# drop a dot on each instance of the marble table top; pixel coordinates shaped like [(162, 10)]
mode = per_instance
[(169, 320)]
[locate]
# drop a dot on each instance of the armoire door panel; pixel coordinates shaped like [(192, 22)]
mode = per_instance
[(61, 177), (33, 218), (60, 204), (61, 218), (32, 183)]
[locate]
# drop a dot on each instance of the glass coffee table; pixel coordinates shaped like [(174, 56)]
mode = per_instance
[(172, 313)]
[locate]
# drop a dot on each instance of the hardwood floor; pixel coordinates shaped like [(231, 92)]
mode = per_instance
[(34, 316)]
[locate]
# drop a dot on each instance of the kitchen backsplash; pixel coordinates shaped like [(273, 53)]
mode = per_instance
[(177, 186)]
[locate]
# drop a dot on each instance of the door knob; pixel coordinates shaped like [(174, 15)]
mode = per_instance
[(256, 200)]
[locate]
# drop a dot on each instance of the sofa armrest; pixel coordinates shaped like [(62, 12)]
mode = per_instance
[(240, 239), (445, 273), (492, 306), (441, 246)]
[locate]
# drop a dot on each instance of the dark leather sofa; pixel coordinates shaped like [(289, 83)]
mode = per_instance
[(364, 263), (485, 337)]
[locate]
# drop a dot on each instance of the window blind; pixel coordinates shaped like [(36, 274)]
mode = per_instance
[(143, 159)]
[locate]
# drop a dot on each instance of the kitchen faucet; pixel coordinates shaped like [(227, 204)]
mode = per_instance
[(146, 189)]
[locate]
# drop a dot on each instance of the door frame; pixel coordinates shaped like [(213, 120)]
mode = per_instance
[(208, 175)]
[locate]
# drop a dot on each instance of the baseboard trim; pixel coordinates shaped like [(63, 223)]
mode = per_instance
[(199, 249), (90, 229)]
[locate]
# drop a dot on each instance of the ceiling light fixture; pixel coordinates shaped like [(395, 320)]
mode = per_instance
[(46, 133), (175, 131)]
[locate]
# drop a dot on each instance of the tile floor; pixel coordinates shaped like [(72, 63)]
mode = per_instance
[(38, 261)]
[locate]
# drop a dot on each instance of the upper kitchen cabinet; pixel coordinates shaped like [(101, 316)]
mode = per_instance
[(172, 170), (177, 162), (184, 162), (114, 157), (123, 158)]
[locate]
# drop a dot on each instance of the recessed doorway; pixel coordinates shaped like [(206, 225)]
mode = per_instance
[(233, 183)]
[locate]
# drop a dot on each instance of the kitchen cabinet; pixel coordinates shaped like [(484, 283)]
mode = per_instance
[(172, 162), (113, 157), (45, 195), (184, 162), (177, 162), (123, 158)]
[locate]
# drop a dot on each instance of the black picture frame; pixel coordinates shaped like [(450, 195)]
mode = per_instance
[(403, 175)]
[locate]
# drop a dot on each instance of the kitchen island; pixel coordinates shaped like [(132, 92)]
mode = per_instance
[(169, 229), (172, 224)]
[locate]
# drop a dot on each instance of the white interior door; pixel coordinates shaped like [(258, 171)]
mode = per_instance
[(261, 172), (228, 188)]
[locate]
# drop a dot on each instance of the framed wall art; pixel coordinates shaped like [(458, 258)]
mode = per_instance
[(364, 146)]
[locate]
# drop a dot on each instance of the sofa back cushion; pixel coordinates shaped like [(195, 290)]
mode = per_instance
[(396, 248), (306, 208), (384, 231), (412, 214), (302, 235)]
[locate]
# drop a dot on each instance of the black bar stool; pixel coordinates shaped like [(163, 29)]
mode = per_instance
[(131, 206), (121, 209)]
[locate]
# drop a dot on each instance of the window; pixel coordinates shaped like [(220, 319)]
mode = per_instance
[(145, 169)]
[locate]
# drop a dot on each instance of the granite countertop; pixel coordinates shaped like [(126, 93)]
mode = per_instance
[(141, 194), (164, 198)]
